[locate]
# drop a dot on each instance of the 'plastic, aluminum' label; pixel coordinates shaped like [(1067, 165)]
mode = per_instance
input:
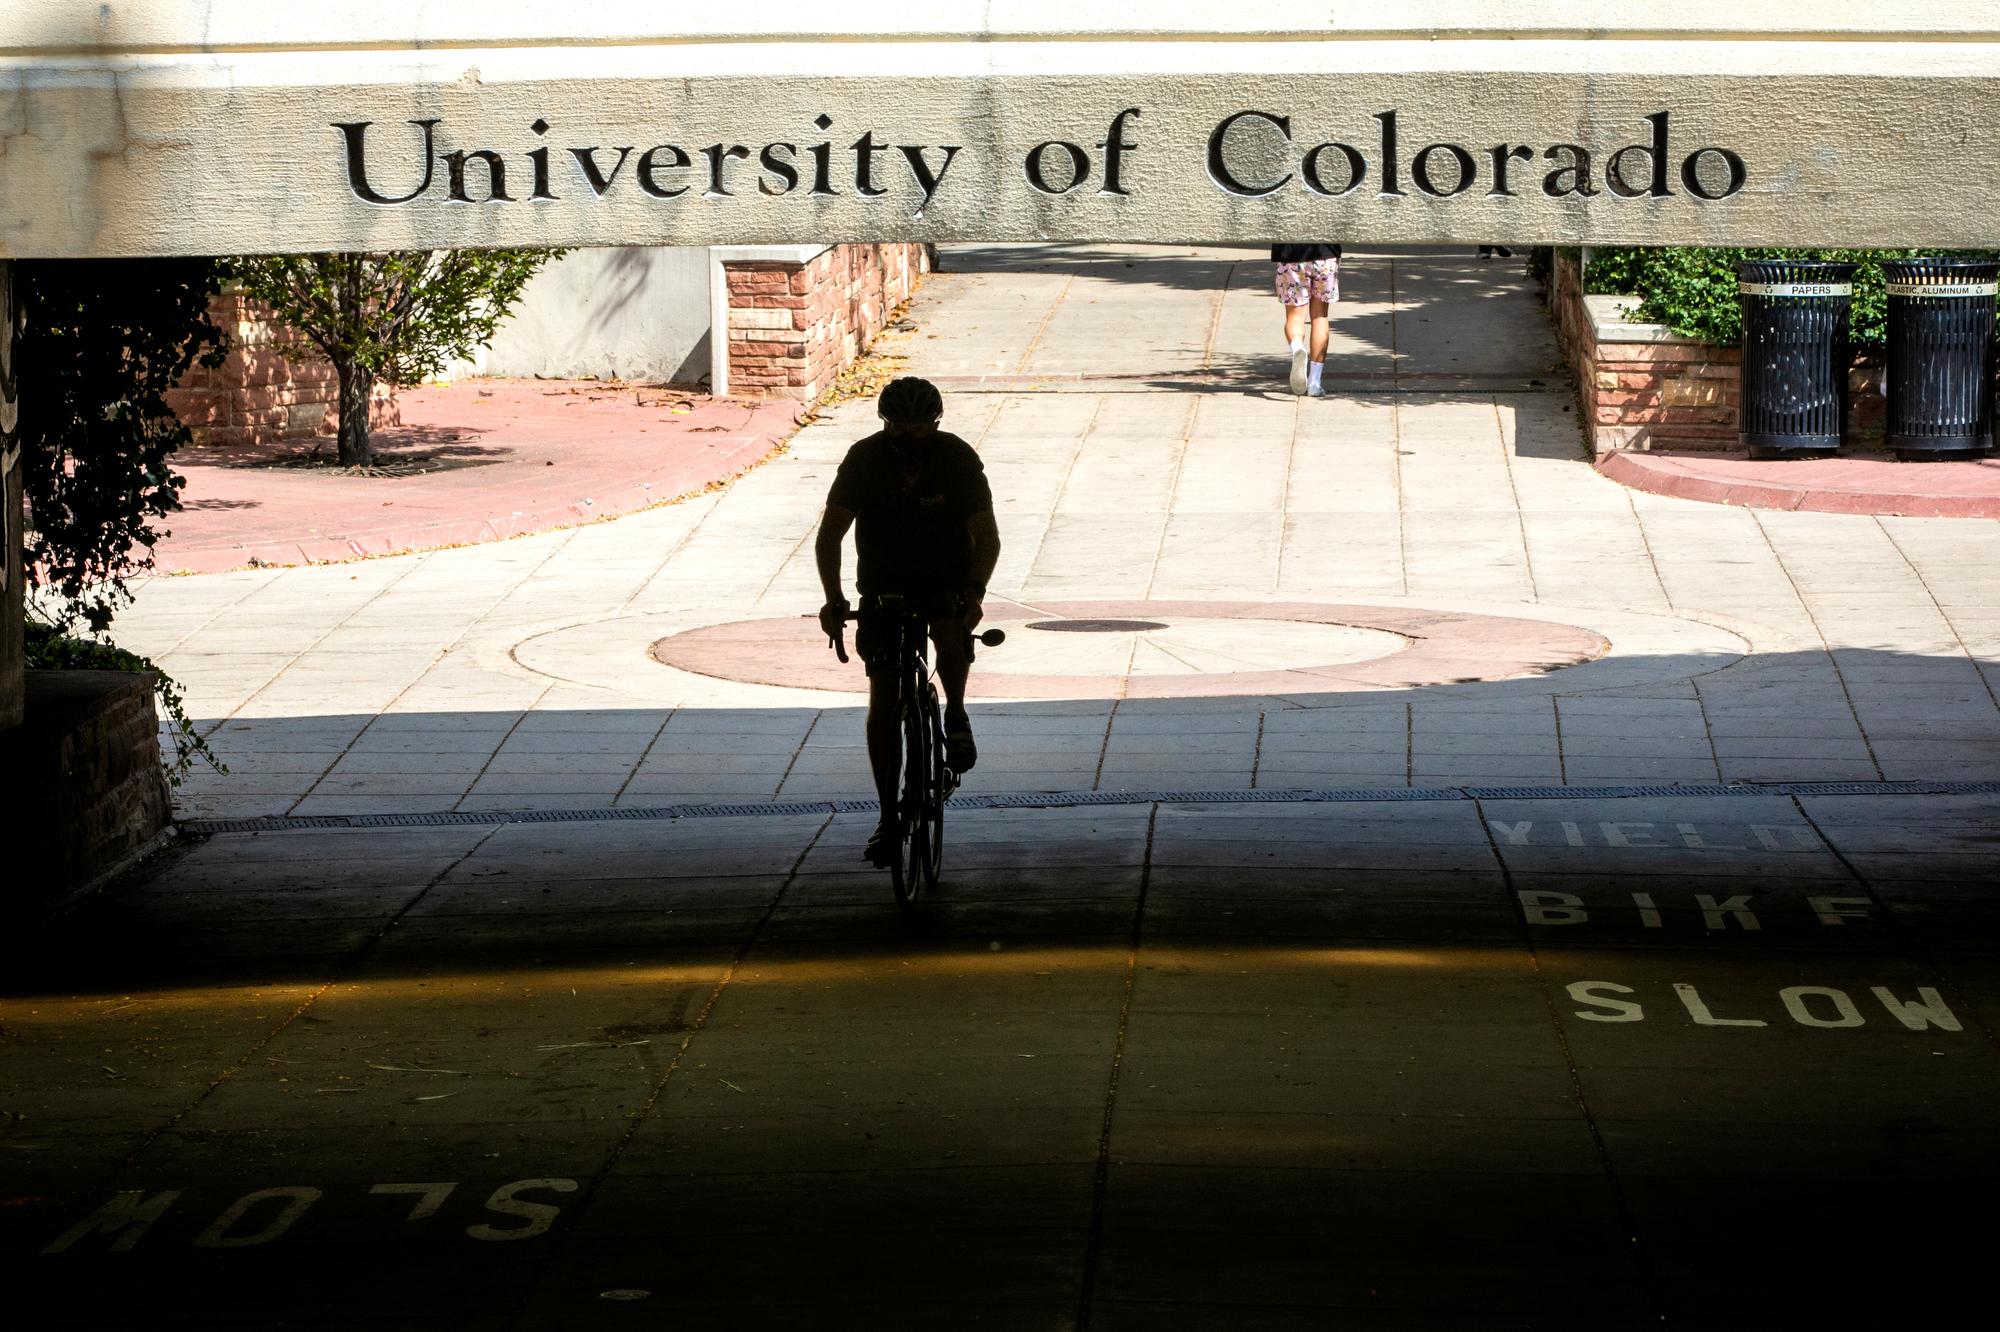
[(1942, 288), (1796, 288)]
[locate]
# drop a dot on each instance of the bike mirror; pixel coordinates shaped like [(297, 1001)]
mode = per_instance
[(993, 637)]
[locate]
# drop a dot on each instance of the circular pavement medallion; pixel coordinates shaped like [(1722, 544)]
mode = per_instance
[(1174, 649)]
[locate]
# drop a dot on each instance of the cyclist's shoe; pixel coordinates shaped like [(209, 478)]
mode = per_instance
[(883, 844), (960, 753)]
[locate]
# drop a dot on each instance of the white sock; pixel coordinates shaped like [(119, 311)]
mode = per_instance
[(1298, 344), (1312, 373)]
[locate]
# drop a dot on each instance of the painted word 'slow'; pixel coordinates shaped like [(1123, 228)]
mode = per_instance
[(1807, 1005), (264, 1215)]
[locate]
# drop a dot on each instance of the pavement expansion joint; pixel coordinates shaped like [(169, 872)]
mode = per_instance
[(1079, 799)]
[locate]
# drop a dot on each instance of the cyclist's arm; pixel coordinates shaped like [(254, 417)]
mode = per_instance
[(826, 549)]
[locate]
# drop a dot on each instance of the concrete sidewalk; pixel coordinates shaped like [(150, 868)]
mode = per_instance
[(1572, 1063), (1128, 404)]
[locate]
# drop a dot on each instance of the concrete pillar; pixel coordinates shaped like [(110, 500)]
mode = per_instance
[(718, 324), (12, 681)]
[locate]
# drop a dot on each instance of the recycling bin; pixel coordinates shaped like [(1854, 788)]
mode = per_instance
[(1795, 356), (1940, 363)]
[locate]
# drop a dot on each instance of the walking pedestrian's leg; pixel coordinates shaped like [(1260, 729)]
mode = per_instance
[(1320, 333), (1295, 338)]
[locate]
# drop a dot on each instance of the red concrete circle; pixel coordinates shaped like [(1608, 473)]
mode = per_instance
[(1444, 647)]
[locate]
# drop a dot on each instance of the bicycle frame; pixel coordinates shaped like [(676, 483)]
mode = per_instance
[(924, 781)]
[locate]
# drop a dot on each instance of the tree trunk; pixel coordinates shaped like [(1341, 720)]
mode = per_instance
[(357, 386)]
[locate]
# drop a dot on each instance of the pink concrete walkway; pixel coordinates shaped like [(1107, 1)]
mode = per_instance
[(472, 461), (1875, 485)]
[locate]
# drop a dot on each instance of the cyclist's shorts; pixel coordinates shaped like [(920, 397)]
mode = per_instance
[(875, 640)]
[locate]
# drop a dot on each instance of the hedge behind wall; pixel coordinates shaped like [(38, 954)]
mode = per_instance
[(1693, 290)]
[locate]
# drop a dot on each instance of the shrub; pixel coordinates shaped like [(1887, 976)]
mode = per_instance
[(101, 341), (1693, 290)]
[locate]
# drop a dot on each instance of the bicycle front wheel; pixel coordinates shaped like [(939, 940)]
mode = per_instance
[(918, 764)]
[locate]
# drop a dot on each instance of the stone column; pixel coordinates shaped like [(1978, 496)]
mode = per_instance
[(12, 681)]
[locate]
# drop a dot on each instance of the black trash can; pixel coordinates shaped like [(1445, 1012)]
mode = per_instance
[(1795, 356), (1940, 373)]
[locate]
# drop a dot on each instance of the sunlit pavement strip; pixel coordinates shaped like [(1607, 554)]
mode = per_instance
[(1460, 1062)]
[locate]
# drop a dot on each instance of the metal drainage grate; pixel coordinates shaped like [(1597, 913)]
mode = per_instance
[(1604, 792), (1886, 788), (446, 820), (1364, 794), (1096, 626)]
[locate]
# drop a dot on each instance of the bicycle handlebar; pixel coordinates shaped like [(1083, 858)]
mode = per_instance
[(989, 638)]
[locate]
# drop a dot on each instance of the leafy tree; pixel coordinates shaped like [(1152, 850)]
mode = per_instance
[(101, 341), (398, 317)]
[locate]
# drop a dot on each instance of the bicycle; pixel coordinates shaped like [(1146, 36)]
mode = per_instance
[(925, 780)]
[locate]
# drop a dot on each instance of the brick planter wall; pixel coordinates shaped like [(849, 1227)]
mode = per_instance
[(1644, 387), (90, 796), (258, 395), (1641, 386), (795, 325)]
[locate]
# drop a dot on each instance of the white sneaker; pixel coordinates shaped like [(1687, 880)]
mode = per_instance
[(1298, 367), (1315, 391)]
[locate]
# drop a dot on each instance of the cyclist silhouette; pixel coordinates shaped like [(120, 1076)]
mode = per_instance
[(922, 514)]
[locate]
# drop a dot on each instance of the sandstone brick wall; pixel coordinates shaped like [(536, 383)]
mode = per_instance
[(91, 795), (1655, 392), (258, 395), (794, 327)]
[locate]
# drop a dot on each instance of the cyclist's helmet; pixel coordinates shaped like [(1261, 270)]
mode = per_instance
[(910, 401)]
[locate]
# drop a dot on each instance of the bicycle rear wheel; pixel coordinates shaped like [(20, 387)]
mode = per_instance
[(907, 872)]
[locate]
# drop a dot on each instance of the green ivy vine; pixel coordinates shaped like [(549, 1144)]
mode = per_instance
[(49, 649)]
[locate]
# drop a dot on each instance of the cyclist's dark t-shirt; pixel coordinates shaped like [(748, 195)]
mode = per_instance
[(909, 522)]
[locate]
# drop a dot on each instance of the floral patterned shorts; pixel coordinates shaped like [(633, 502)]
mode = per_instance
[(1315, 280)]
